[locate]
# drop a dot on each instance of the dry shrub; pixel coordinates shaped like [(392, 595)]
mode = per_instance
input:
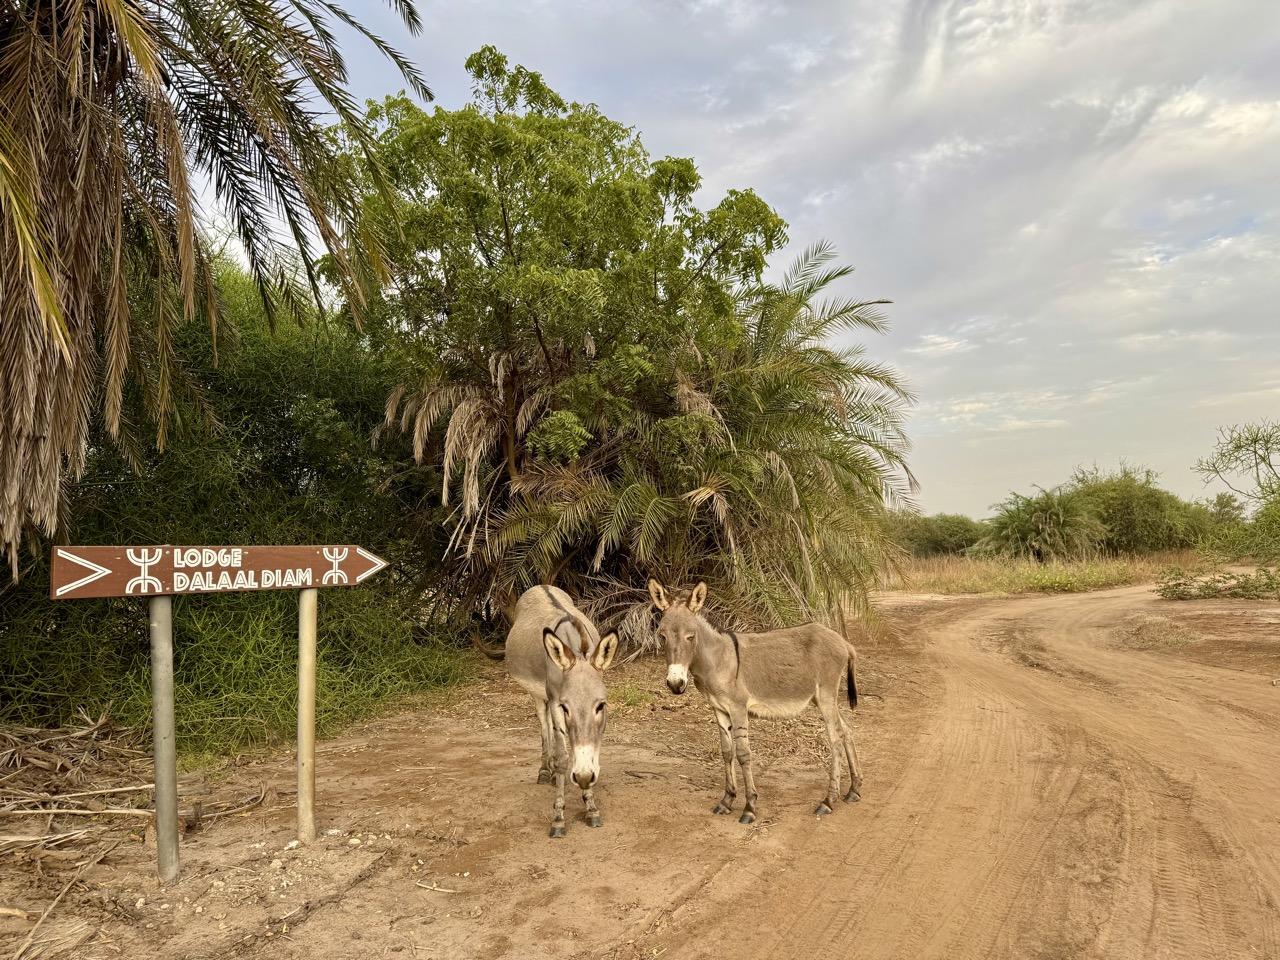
[(1179, 584), (1154, 633)]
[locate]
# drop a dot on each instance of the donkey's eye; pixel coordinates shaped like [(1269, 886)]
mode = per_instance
[(565, 708), (600, 707)]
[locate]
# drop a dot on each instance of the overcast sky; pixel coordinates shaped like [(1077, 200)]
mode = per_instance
[(1074, 204)]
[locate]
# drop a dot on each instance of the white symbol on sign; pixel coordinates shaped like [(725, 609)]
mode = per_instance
[(144, 581), (335, 555), (378, 564), (97, 573)]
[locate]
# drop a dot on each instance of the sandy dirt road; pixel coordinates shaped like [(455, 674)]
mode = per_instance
[(1036, 788), (1064, 798)]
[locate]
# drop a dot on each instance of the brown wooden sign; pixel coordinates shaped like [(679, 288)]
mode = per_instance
[(82, 572)]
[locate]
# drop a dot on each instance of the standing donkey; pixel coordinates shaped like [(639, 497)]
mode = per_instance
[(778, 673), (555, 652)]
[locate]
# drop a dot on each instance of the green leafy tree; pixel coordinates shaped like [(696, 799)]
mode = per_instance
[(1057, 524), (599, 375), (764, 470), (113, 115), (1139, 516), (1225, 509)]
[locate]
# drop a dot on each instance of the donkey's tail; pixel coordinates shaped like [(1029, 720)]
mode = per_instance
[(493, 653), (853, 658), (853, 686)]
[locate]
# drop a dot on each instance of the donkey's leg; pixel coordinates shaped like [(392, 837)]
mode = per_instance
[(548, 763), (593, 812), (561, 771), (557, 808), (851, 755), (835, 737), (726, 753), (742, 749)]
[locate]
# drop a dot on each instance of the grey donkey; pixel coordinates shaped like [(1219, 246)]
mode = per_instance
[(774, 674), (555, 652)]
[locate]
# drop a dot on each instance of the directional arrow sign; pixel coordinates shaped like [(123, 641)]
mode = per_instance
[(146, 571)]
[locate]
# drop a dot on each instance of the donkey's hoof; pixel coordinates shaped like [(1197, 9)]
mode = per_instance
[(557, 830), (747, 817), (544, 776), (823, 809), (595, 820), (853, 796), (721, 809)]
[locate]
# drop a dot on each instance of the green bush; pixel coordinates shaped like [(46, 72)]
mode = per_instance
[(939, 534), (1256, 539), (271, 447), (1137, 515), (235, 662), (1121, 513), (1225, 509), (1056, 524)]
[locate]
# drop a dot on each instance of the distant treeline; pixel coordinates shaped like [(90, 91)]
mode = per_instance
[(1096, 512)]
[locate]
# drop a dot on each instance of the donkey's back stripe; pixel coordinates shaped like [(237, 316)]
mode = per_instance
[(554, 602)]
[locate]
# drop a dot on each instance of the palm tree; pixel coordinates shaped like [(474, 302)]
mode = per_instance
[(116, 117), (1057, 524), (767, 476), (815, 438)]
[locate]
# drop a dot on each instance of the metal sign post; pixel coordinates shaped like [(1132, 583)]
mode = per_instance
[(308, 600), (158, 573), (162, 735)]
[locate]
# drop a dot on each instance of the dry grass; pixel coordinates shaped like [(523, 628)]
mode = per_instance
[(1006, 575), (1154, 633)]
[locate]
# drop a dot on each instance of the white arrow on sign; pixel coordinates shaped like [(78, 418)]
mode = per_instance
[(97, 572), (378, 564)]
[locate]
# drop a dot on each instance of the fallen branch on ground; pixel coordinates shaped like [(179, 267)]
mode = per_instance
[(72, 812), (21, 952)]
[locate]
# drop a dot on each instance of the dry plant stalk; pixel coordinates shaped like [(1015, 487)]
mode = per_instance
[(92, 769)]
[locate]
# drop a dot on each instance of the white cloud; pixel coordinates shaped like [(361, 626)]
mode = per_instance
[(937, 345), (1172, 339), (1009, 424)]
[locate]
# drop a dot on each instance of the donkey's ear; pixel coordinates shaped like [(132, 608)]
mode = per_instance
[(605, 650), (658, 595), (561, 653), (698, 597)]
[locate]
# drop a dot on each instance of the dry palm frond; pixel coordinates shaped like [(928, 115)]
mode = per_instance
[(112, 115), (62, 788)]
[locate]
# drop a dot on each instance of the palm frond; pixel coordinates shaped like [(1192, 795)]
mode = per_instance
[(112, 115)]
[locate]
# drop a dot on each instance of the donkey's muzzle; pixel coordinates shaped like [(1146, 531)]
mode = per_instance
[(586, 766), (677, 678)]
